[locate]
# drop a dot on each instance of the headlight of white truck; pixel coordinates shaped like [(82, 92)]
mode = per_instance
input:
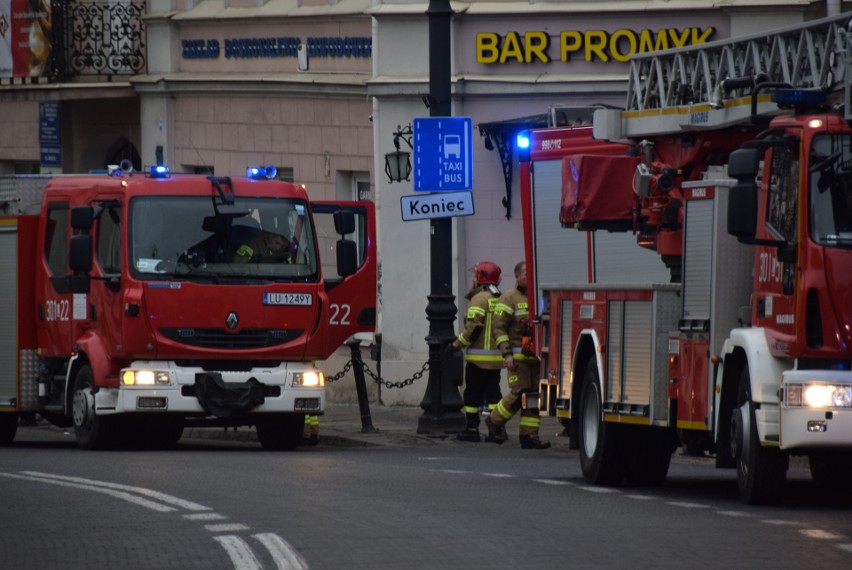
[(145, 378), (818, 395), (309, 379)]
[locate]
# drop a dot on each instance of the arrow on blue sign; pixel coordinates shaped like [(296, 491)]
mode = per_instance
[(443, 154)]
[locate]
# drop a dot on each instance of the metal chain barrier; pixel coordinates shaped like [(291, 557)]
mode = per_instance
[(401, 384)]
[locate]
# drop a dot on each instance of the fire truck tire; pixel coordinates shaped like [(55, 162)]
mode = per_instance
[(600, 442), (8, 428), (92, 431), (761, 471), (280, 431)]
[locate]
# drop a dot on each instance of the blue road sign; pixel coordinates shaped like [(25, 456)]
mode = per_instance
[(443, 154)]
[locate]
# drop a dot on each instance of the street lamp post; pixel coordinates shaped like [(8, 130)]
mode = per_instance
[(441, 404)]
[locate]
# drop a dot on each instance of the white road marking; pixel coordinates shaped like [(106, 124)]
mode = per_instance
[(453, 471), (601, 490), (821, 534), (168, 499), (733, 513), (846, 547), (500, 475), (229, 527), (241, 555), (552, 482), (286, 557), (205, 517), (779, 522), (111, 492), (641, 497), (686, 505)]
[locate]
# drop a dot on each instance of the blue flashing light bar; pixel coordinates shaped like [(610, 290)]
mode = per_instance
[(261, 172), (159, 171), (799, 97), (522, 142)]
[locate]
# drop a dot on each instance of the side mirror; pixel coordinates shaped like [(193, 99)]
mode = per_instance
[(743, 164), (742, 202), (347, 257), (83, 217), (742, 211), (80, 253), (344, 222)]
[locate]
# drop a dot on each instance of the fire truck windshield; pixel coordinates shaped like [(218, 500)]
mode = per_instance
[(831, 190), (190, 238)]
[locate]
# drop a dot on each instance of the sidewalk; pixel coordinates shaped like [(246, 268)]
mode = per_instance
[(342, 425)]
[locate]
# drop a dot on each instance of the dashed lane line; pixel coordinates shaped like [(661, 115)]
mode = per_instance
[(239, 552), (237, 549), (286, 557)]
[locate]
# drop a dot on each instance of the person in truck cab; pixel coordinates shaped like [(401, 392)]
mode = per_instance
[(264, 247)]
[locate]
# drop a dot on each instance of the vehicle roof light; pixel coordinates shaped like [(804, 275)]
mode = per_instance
[(262, 172), (799, 97), (159, 171), (522, 142)]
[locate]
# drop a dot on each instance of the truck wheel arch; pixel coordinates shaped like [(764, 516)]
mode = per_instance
[(748, 347), (586, 349)]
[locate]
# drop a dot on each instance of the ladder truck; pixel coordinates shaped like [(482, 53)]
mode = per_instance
[(137, 304), (705, 299)]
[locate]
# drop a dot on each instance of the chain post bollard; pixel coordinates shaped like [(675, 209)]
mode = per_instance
[(361, 387)]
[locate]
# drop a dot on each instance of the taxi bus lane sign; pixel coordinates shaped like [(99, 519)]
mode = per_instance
[(437, 205), (443, 154)]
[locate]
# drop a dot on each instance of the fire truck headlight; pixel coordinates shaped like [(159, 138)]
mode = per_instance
[(310, 379), (828, 396), (145, 378)]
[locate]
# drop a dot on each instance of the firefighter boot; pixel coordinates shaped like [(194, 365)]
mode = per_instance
[(471, 432), (496, 434), (469, 435), (533, 442)]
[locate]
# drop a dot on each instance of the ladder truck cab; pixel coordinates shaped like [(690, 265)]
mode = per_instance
[(139, 304), (705, 301)]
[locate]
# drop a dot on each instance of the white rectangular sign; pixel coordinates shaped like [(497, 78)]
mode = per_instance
[(439, 205)]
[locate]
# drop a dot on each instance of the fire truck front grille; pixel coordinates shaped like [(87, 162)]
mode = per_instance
[(225, 340)]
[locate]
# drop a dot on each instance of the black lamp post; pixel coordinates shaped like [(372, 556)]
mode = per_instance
[(441, 404)]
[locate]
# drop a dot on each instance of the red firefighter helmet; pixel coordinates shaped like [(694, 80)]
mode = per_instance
[(487, 273)]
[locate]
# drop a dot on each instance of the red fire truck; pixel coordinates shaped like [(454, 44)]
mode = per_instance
[(138, 304), (705, 300)]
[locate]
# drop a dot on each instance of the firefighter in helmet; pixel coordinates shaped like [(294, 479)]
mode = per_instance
[(483, 361), (512, 336)]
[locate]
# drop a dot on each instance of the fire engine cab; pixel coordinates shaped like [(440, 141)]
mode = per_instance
[(141, 303)]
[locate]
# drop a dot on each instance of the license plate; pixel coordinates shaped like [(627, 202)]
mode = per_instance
[(301, 299)]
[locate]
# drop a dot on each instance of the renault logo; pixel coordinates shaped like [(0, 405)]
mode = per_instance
[(232, 321)]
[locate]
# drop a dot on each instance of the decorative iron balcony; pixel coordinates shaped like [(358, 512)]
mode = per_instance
[(98, 38)]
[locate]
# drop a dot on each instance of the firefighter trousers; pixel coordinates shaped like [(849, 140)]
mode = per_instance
[(481, 386), (523, 379)]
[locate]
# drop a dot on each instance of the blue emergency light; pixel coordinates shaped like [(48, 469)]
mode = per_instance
[(261, 172), (522, 142), (799, 97), (159, 171)]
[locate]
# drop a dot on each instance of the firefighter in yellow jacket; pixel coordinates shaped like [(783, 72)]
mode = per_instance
[(483, 361), (511, 333)]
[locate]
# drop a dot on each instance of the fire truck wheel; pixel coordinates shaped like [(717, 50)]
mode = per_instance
[(8, 428), (761, 471), (280, 431), (92, 431), (600, 459)]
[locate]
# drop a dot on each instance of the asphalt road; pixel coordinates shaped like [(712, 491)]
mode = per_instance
[(388, 500)]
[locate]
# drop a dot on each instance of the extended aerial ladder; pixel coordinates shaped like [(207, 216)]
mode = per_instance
[(709, 86)]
